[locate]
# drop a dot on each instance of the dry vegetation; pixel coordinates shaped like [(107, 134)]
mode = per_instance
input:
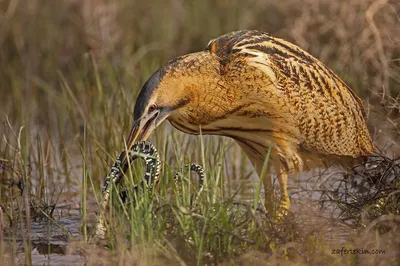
[(70, 71)]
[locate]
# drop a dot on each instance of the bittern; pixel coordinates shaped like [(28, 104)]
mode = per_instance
[(263, 92)]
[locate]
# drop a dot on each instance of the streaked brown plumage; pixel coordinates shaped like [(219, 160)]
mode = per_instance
[(261, 91)]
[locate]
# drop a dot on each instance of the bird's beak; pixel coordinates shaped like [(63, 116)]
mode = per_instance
[(142, 128)]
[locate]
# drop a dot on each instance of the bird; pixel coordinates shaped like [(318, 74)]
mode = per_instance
[(268, 95)]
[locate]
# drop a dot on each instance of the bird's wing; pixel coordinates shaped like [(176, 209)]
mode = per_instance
[(293, 84)]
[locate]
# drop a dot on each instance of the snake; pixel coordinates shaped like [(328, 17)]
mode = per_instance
[(142, 149), (149, 154), (198, 169)]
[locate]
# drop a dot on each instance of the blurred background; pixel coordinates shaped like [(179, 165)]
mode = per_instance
[(39, 39)]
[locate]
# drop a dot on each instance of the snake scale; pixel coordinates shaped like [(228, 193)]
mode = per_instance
[(149, 154)]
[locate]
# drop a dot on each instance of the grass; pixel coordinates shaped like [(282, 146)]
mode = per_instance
[(70, 72)]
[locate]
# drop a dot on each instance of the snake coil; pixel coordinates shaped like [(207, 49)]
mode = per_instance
[(195, 168), (149, 154), (142, 149)]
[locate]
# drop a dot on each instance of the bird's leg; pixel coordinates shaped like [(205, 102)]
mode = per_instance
[(284, 204), (268, 189)]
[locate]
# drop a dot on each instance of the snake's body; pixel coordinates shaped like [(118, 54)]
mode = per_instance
[(144, 150), (149, 154)]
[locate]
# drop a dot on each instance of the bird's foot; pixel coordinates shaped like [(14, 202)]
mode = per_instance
[(282, 210)]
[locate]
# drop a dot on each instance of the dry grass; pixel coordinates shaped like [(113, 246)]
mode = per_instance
[(366, 191)]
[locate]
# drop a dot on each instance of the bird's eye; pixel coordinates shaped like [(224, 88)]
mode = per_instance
[(152, 108)]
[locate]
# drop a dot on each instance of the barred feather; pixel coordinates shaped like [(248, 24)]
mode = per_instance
[(297, 102)]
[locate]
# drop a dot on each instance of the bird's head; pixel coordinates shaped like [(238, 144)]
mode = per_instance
[(173, 91)]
